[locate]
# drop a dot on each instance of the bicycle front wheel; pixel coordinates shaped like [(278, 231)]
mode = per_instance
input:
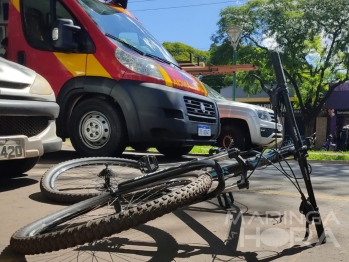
[(105, 215), (79, 179)]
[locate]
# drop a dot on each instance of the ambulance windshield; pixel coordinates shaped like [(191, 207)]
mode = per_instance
[(114, 22)]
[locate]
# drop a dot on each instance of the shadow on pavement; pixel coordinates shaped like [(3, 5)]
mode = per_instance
[(12, 182), (164, 247), (145, 242), (39, 197), (228, 248), (7, 255), (57, 157)]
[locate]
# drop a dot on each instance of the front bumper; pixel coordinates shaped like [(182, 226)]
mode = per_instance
[(266, 133), (34, 120), (164, 116)]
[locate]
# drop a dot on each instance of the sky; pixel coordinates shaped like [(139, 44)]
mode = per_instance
[(191, 22)]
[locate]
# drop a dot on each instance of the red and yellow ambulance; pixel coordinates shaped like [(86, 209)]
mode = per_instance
[(116, 85)]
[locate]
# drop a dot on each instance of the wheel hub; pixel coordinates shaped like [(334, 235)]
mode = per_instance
[(106, 174), (94, 130)]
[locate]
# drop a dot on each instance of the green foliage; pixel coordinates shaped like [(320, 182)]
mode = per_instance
[(311, 36), (181, 52)]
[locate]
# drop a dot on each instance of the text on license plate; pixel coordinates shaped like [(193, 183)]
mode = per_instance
[(11, 149), (204, 130)]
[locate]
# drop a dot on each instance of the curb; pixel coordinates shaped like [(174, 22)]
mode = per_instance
[(328, 161), (67, 146)]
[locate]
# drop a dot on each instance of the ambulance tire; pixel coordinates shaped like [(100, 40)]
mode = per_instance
[(97, 128)]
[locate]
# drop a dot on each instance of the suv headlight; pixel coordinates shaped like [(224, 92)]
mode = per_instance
[(137, 64), (264, 115), (40, 86)]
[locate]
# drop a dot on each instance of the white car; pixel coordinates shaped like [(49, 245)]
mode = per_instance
[(247, 125), (27, 118)]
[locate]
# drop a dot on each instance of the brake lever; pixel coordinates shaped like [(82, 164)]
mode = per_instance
[(265, 89)]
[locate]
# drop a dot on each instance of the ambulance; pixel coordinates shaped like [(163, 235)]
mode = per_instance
[(116, 85)]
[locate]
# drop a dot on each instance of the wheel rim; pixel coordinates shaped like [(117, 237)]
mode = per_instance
[(227, 140), (94, 129), (85, 178)]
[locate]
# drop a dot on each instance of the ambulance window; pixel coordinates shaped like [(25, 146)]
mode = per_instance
[(2, 36), (5, 8), (61, 12), (36, 23)]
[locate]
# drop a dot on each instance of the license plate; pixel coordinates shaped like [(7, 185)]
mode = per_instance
[(279, 128), (204, 130), (11, 149)]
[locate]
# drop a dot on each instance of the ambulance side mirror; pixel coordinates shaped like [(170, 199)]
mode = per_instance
[(64, 35)]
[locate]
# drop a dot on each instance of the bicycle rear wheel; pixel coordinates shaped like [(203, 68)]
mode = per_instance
[(105, 215), (79, 179)]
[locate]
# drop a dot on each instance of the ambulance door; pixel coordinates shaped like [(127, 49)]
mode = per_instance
[(35, 48)]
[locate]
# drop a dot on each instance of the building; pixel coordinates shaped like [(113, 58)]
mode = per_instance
[(337, 124)]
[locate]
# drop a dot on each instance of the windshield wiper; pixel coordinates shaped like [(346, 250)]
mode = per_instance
[(125, 43), (161, 60)]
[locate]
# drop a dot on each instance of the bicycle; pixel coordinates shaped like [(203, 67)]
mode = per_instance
[(329, 145), (158, 192)]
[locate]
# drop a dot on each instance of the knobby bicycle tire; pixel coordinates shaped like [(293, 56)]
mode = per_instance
[(51, 191), (32, 239)]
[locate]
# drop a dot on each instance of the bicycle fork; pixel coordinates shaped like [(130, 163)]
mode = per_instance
[(308, 206)]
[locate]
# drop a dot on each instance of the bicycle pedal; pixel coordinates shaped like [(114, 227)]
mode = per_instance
[(243, 184), (148, 164), (227, 201), (117, 206)]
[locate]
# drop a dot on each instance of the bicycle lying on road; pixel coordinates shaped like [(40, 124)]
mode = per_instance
[(132, 193)]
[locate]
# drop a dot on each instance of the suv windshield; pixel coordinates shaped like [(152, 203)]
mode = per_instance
[(116, 23), (213, 93)]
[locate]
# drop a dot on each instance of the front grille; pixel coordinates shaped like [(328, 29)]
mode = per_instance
[(200, 111), (5, 84), (22, 125), (272, 117)]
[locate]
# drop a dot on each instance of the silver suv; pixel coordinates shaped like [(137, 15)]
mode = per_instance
[(27, 118), (247, 125)]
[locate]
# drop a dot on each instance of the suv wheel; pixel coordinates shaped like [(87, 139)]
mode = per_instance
[(234, 135)]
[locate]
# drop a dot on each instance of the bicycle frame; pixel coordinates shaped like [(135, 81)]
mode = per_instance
[(239, 167), (278, 95)]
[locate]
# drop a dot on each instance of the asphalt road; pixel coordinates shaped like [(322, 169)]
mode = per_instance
[(264, 223)]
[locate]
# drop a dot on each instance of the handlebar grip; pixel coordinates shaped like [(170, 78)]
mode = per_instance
[(279, 72)]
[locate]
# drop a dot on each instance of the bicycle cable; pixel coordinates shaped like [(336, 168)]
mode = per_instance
[(282, 170)]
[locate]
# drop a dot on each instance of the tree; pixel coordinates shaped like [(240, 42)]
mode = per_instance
[(312, 37), (247, 54), (181, 52)]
